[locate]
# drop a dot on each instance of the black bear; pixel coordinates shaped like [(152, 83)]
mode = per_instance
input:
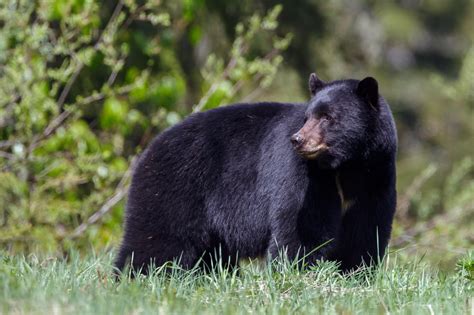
[(253, 180)]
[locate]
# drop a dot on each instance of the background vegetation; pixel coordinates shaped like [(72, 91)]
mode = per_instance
[(86, 84)]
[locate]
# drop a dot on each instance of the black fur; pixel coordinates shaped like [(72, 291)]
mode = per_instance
[(228, 180)]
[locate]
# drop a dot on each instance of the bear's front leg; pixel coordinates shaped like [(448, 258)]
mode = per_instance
[(303, 237), (290, 247), (367, 222), (284, 239), (284, 243), (364, 235)]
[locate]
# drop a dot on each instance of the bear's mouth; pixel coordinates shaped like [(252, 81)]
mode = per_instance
[(312, 154)]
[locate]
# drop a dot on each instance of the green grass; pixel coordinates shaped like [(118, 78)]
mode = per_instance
[(83, 285)]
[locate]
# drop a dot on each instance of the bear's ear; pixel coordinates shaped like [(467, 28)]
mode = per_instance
[(368, 89), (315, 84)]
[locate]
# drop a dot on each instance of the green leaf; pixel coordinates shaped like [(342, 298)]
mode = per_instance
[(113, 114)]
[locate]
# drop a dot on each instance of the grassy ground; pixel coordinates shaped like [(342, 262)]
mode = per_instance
[(84, 286)]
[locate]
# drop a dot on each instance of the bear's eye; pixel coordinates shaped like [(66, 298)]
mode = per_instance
[(325, 117)]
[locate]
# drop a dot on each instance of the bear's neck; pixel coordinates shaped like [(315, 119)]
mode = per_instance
[(346, 200), (364, 181)]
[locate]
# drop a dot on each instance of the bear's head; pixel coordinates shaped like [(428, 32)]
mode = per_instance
[(339, 121)]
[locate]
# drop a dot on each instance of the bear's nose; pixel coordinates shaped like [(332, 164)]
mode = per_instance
[(297, 140)]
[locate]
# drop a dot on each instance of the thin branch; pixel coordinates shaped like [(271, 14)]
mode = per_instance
[(238, 85), (257, 90), (10, 106), (73, 78), (61, 118), (134, 15), (231, 65), (69, 84), (115, 71), (405, 200), (6, 155), (441, 219), (100, 96), (6, 143), (115, 14), (120, 193)]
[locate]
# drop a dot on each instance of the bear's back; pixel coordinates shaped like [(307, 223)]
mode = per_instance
[(225, 132)]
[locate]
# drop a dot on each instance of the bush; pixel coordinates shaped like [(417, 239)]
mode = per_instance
[(84, 86)]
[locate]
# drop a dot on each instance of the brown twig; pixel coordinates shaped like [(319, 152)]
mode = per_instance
[(6, 143), (444, 218), (69, 84), (120, 193), (100, 96), (405, 200), (230, 65), (6, 155), (134, 15), (255, 91), (238, 85), (61, 118), (10, 106)]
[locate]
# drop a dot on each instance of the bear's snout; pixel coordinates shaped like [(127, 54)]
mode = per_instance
[(308, 141), (297, 140)]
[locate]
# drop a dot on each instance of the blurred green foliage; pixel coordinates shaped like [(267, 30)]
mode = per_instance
[(84, 87), (86, 84)]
